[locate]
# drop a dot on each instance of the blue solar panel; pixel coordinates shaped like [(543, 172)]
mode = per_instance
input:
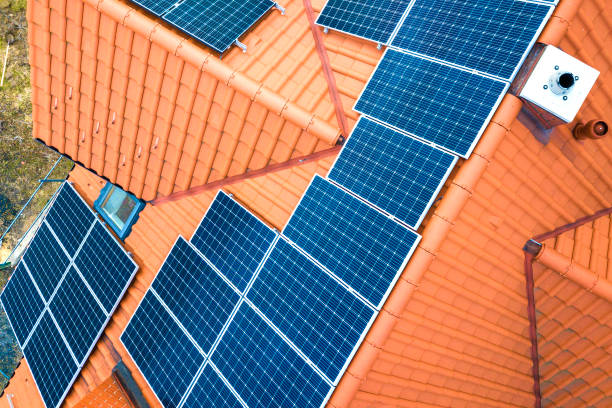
[(106, 267), (210, 391), (78, 314), (49, 359), (22, 303), (372, 20), (46, 261), (321, 317), (491, 36), (217, 23), (233, 239), (435, 102), (197, 295), (263, 369), (398, 174), (70, 218), (360, 245), (161, 350)]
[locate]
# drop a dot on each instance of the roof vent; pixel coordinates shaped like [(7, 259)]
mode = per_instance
[(553, 85)]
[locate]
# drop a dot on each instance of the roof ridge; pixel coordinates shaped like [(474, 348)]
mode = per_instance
[(191, 52), (575, 272)]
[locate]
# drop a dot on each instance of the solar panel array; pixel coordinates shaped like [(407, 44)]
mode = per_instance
[(64, 291), (278, 334), (216, 23), (489, 36), (432, 101)]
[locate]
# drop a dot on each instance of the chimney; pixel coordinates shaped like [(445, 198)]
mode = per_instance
[(553, 85)]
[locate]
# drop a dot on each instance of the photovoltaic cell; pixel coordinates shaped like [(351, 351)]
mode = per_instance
[(398, 174), (490, 36), (49, 359), (70, 218), (321, 317), (357, 243), (372, 20), (233, 239), (196, 294), (161, 350), (210, 391), (46, 261), (78, 315), (22, 303), (263, 369), (217, 23), (443, 105), (105, 266)]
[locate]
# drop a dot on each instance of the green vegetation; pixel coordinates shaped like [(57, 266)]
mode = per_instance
[(22, 160)]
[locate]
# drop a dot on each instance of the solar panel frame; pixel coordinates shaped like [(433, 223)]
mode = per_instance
[(129, 277), (151, 292), (174, 315), (166, 16), (273, 235), (41, 311), (253, 301), (402, 266), (150, 5), (226, 384), (479, 134), (246, 304), (71, 264), (323, 16), (550, 3), (435, 194), (32, 367)]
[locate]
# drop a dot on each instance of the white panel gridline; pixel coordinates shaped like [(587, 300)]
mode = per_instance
[(397, 174), (79, 364)]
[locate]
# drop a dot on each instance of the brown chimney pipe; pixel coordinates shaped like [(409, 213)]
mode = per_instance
[(594, 129)]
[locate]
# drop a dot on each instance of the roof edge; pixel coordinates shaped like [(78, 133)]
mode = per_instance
[(578, 274), (183, 47)]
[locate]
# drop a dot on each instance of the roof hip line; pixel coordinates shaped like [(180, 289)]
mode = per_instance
[(327, 70), (196, 56)]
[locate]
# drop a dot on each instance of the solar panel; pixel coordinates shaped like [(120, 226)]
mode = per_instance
[(398, 174), (217, 23), (78, 314), (432, 101), (491, 36), (22, 303), (233, 239), (211, 391), (105, 266), (372, 20), (70, 218), (319, 315), (46, 261), (163, 353), (359, 244), (77, 293), (50, 361), (195, 293), (263, 369)]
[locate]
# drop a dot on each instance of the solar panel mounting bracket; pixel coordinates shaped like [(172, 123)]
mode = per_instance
[(279, 8), (242, 46)]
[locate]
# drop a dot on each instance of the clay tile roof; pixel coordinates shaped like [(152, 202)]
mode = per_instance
[(155, 112), (454, 331)]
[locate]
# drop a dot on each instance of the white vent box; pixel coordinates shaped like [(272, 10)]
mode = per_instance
[(553, 85)]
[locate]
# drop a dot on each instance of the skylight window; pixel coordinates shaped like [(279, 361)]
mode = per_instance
[(119, 209)]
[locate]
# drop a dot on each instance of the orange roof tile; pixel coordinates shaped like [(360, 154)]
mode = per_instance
[(454, 330)]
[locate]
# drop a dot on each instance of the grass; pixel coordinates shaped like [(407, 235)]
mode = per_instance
[(22, 160)]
